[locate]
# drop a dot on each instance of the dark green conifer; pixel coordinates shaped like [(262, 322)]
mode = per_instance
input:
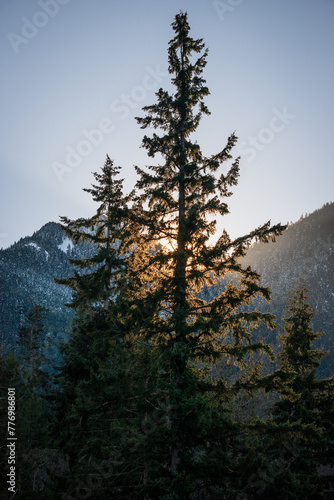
[(96, 386), (297, 450), (31, 345), (306, 399), (175, 259), (33, 415)]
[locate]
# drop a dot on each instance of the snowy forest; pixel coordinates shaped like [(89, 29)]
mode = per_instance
[(186, 364)]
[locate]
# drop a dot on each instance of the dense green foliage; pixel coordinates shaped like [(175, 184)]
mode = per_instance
[(294, 444), (306, 401), (34, 460), (31, 345)]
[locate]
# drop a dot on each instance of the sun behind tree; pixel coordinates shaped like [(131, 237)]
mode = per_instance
[(177, 202)]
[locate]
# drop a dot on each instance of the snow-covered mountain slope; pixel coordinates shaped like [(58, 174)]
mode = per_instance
[(27, 271)]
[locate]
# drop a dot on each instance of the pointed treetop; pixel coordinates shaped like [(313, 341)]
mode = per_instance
[(299, 334)]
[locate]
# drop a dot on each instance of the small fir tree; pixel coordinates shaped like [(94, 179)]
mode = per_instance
[(300, 433), (33, 415), (95, 282), (31, 345), (308, 400)]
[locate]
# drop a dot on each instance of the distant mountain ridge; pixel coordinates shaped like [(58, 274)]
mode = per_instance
[(305, 250), (27, 271)]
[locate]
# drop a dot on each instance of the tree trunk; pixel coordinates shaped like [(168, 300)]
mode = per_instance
[(179, 361)]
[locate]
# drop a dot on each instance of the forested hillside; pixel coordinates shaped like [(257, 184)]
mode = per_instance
[(304, 251)]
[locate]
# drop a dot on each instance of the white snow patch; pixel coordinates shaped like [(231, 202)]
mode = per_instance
[(66, 245), (32, 244)]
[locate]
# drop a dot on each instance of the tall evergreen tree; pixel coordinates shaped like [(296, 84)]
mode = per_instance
[(96, 388), (140, 303), (175, 258)]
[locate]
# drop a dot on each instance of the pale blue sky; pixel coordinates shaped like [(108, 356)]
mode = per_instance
[(70, 67)]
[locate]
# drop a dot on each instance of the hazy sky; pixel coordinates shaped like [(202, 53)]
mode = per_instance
[(74, 73)]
